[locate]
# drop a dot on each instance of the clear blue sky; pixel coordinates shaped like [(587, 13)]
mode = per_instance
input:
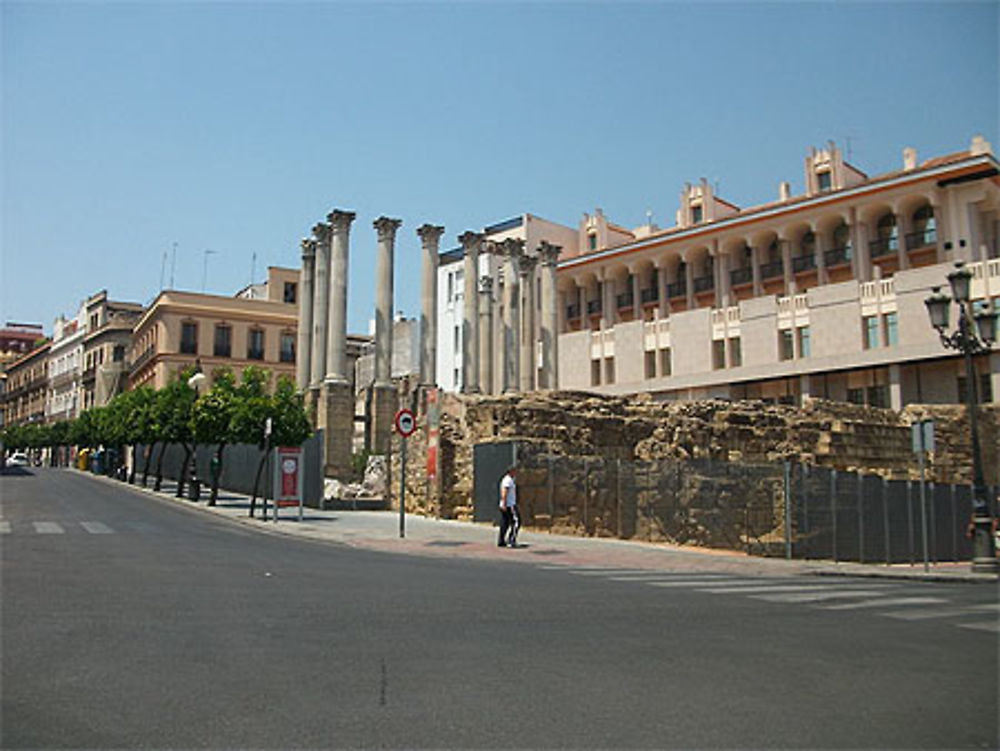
[(234, 127)]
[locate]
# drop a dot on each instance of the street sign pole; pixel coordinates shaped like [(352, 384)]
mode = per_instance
[(405, 423), (923, 441)]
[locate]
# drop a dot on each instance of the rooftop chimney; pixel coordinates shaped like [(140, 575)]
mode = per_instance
[(784, 191), (909, 158)]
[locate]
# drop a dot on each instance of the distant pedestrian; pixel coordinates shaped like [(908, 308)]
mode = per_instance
[(510, 520)]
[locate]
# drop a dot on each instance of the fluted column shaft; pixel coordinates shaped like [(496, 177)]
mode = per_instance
[(430, 237), (486, 334), (386, 229), (336, 352), (550, 318), (321, 307), (303, 367), (471, 242), (528, 353), (511, 316)]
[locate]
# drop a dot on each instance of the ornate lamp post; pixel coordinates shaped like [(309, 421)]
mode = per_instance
[(975, 335), (195, 381)]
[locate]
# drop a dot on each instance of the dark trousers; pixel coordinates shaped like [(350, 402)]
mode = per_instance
[(510, 523)]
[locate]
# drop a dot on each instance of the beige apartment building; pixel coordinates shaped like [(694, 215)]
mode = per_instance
[(814, 295), (256, 327), (27, 387), (106, 342)]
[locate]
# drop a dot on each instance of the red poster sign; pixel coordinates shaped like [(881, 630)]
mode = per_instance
[(288, 471)]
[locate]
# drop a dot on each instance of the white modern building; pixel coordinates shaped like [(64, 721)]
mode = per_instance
[(65, 367)]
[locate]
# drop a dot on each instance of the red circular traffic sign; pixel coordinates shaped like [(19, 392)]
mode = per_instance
[(406, 423)]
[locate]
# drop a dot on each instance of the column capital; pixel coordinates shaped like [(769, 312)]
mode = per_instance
[(386, 227), (527, 265), (430, 233), (549, 253), (322, 232), (486, 284), (308, 248), (470, 239), (340, 220), (512, 247)]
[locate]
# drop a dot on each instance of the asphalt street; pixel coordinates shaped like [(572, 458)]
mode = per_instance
[(131, 622)]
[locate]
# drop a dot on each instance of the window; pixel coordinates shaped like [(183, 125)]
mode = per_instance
[(878, 396), (223, 341), (786, 345), (592, 241), (189, 338), (255, 344), (985, 393), (458, 339), (118, 355), (718, 354), (696, 214), (595, 372), (735, 352), (825, 180), (651, 363), (289, 293), (609, 370), (890, 322), (665, 365), (805, 345), (856, 396), (870, 326), (287, 352)]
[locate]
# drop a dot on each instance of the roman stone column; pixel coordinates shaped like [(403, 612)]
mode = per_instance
[(486, 334), (384, 401), (511, 349), (430, 237), (549, 255), (338, 402), (303, 368), (471, 242), (529, 356), (321, 314)]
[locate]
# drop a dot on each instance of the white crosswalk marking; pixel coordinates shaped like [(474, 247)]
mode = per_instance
[(920, 615), (4, 528), (701, 582), (97, 528), (887, 601), (991, 626), (48, 528), (759, 588), (833, 594)]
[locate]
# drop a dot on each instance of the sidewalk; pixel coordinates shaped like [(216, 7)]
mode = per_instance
[(380, 530)]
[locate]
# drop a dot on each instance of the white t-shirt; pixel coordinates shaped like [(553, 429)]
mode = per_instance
[(508, 482)]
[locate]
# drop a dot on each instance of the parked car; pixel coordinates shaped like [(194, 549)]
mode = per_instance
[(18, 459)]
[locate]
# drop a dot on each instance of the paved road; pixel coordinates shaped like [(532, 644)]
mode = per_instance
[(130, 622)]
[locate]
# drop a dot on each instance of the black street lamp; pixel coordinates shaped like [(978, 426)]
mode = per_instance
[(970, 340), (196, 379)]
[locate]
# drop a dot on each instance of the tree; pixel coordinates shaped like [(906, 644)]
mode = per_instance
[(174, 404), (250, 414), (139, 426), (289, 421), (212, 417)]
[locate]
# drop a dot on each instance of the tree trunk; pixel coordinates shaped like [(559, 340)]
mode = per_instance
[(182, 479), (218, 473), (159, 467), (256, 482), (135, 463), (149, 459)]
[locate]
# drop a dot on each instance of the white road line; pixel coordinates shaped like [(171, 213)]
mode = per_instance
[(667, 577), (764, 589), (97, 528), (991, 626), (819, 596), (48, 528), (888, 601), (700, 583), (921, 615), (4, 528)]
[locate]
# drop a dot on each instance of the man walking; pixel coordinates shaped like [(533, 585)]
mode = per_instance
[(510, 521)]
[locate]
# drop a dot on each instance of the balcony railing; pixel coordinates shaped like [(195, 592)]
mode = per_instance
[(677, 289), (884, 246), (651, 294), (625, 300), (90, 374), (921, 238), (143, 358), (771, 270), (741, 276), (594, 307), (704, 284), (804, 263), (573, 312), (837, 256)]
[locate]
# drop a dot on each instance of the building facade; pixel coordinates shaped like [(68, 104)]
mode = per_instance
[(26, 387), (65, 361), (106, 344), (817, 295), (180, 329)]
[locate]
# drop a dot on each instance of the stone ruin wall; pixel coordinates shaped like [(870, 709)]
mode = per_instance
[(833, 435)]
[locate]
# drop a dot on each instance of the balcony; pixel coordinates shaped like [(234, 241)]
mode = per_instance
[(837, 256), (741, 276), (625, 301), (572, 312), (143, 358), (594, 307), (90, 374), (649, 295), (677, 289), (921, 239), (882, 247), (704, 284), (772, 270), (804, 263)]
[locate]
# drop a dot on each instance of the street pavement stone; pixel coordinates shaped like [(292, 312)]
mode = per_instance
[(380, 530)]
